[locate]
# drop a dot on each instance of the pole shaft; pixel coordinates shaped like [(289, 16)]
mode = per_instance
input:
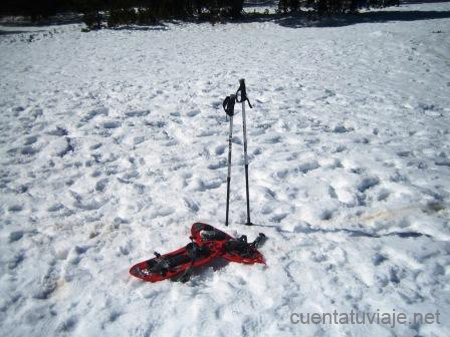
[(229, 169), (244, 126)]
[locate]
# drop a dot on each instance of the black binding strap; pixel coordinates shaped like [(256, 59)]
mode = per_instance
[(241, 93)]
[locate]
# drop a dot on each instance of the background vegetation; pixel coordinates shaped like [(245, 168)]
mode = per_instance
[(113, 13)]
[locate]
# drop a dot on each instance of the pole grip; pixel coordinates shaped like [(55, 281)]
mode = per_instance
[(241, 93), (228, 104)]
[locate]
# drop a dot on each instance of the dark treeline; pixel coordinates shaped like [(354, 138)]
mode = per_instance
[(98, 13), (327, 7), (160, 8)]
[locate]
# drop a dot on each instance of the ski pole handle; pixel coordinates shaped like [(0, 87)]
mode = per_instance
[(228, 104), (241, 93)]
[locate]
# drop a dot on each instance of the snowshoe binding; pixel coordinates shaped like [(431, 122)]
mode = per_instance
[(175, 265), (231, 249)]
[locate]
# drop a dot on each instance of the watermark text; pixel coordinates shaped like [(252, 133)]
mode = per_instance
[(388, 318)]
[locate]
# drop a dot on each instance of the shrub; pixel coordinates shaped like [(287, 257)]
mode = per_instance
[(118, 17), (93, 20), (328, 7), (145, 17)]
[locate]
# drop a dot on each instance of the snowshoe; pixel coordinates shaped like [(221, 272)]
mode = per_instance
[(231, 249), (176, 265)]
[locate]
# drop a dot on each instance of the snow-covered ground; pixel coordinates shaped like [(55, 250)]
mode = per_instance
[(112, 143)]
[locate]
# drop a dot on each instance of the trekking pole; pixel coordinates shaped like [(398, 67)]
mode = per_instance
[(228, 106), (241, 97)]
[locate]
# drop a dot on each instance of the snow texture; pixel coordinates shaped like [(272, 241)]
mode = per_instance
[(112, 143)]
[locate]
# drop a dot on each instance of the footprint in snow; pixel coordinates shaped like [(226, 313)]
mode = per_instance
[(393, 275), (170, 143), (16, 260), (37, 113), (138, 140), (257, 151), (340, 148), (273, 140), (15, 236), (17, 110), (59, 131), (326, 215), (282, 174), (308, 166), (91, 205), (29, 151), (193, 113), (96, 112), (111, 124), (332, 192), (277, 218), (155, 124), (383, 194), (137, 113), (201, 185), (162, 212), (15, 208), (68, 325), (55, 208), (404, 153), (378, 259), (95, 146), (30, 140), (66, 149), (192, 205), (368, 183), (206, 133), (114, 315), (101, 184), (341, 129), (220, 149), (46, 286), (218, 165)]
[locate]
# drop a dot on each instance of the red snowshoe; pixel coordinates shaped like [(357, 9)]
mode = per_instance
[(176, 265), (208, 243), (231, 249)]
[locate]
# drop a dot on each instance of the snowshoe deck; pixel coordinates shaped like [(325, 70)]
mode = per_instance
[(202, 233), (172, 265)]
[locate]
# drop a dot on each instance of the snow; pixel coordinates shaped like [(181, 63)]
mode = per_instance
[(112, 143)]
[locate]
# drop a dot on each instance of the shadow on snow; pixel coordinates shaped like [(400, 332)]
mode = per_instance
[(301, 20)]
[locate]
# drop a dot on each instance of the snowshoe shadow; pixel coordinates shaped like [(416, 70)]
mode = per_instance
[(217, 264), (200, 274)]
